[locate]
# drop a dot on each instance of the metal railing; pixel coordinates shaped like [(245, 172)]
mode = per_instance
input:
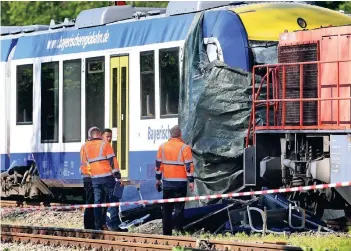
[(273, 101)]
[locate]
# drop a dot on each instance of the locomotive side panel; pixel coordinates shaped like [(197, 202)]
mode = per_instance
[(335, 80), (328, 79), (345, 77)]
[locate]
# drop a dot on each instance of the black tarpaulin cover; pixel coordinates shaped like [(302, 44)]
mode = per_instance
[(214, 113)]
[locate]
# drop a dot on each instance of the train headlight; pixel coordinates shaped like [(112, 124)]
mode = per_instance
[(301, 22)]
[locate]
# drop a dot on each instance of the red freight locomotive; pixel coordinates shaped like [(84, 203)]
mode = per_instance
[(305, 137)]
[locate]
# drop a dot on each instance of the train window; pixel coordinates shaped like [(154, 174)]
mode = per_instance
[(169, 81), (49, 102), (95, 93), (147, 84), (264, 52), (24, 79), (71, 101), (96, 66), (114, 96)]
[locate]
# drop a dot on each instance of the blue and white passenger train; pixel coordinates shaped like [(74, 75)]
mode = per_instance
[(118, 67)]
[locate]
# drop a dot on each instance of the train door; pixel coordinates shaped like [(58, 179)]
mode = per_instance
[(119, 115)]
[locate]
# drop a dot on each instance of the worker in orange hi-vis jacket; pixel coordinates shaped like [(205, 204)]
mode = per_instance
[(175, 162), (107, 136), (105, 173), (88, 187)]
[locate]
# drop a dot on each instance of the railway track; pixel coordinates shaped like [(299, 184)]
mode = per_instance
[(25, 204), (107, 240), (9, 203)]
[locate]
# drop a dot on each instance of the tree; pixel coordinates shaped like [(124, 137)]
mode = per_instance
[(346, 6), (160, 4), (334, 5), (28, 12)]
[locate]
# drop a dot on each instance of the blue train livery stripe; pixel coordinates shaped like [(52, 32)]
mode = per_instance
[(4, 162), (52, 165), (64, 166), (225, 25), (5, 45), (142, 165), (120, 35)]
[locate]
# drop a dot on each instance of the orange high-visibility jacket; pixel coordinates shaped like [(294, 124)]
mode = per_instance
[(175, 161), (84, 165), (102, 160)]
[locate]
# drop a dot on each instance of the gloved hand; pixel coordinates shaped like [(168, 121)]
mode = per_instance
[(191, 186), (120, 181)]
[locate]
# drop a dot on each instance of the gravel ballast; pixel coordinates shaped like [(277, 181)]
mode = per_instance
[(67, 219), (31, 247)]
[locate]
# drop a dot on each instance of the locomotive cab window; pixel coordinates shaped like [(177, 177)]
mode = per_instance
[(71, 100), (24, 98), (49, 102), (263, 52), (169, 81), (147, 84)]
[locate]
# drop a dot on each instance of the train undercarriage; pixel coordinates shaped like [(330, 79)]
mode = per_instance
[(22, 183), (296, 159)]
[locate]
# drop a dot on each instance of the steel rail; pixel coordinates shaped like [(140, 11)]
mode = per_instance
[(129, 240), (29, 204), (103, 235), (9, 203), (79, 242)]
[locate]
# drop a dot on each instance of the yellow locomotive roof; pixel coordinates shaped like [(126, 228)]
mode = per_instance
[(265, 21)]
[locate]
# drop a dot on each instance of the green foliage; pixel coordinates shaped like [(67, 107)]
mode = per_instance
[(28, 12), (306, 241), (346, 6), (161, 4), (334, 5), (37, 12)]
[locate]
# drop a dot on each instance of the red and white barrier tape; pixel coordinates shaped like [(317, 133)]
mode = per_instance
[(184, 199)]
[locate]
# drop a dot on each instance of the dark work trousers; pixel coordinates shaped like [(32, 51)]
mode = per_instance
[(167, 210), (102, 191), (104, 211), (89, 199)]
